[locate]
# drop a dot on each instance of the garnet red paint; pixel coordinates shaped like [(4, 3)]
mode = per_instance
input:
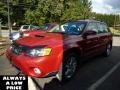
[(46, 64), (87, 44)]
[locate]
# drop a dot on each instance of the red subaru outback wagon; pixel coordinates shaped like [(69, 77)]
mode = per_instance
[(58, 52)]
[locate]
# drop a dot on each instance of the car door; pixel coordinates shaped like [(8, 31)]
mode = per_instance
[(91, 41), (103, 36)]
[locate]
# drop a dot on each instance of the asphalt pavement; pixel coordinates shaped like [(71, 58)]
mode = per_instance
[(99, 73)]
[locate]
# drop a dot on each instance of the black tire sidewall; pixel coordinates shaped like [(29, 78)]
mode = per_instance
[(64, 79), (106, 53)]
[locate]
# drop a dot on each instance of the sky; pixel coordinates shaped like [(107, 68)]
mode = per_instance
[(106, 6)]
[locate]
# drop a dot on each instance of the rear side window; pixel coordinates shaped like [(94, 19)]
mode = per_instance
[(92, 26), (102, 28)]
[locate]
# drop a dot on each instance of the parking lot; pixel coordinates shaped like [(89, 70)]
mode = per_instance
[(99, 73)]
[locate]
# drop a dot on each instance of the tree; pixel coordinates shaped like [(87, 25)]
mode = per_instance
[(3, 12), (59, 11), (76, 9), (50, 10), (45, 11), (110, 19), (86, 8), (18, 9)]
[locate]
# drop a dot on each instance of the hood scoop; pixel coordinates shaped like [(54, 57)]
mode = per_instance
[(39, 36)]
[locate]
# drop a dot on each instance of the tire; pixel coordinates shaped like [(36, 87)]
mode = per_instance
[(108, 50), (69, 67)]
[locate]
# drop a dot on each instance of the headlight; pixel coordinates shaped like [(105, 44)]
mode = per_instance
[(25, 35), (39, 52)]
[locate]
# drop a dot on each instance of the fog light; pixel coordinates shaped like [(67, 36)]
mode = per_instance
[(37, 70)]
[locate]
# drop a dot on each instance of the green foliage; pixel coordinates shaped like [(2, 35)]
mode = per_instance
[(45, 11), (110, 19), (18, 9), (58, 11), (31, 17), (3, 12)]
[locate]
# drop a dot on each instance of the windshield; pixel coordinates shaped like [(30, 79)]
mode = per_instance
[(73, 28), (49, 26), (25, 26)]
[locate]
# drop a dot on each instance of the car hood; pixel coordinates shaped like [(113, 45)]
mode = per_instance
[(49, 39)]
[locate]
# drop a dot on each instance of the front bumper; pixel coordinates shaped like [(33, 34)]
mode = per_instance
[(26, 64)]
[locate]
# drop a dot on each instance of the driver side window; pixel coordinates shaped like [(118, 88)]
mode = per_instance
[(92, 26)]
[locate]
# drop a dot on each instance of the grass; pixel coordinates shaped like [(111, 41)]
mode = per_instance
[(115, 32)]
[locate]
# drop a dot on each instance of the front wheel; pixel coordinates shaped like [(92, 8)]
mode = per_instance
[(69, 67)]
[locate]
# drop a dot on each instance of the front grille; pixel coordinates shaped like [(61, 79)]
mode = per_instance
[(18, 49)]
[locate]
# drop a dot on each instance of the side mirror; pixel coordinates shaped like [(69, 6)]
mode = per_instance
[(89, 32)]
